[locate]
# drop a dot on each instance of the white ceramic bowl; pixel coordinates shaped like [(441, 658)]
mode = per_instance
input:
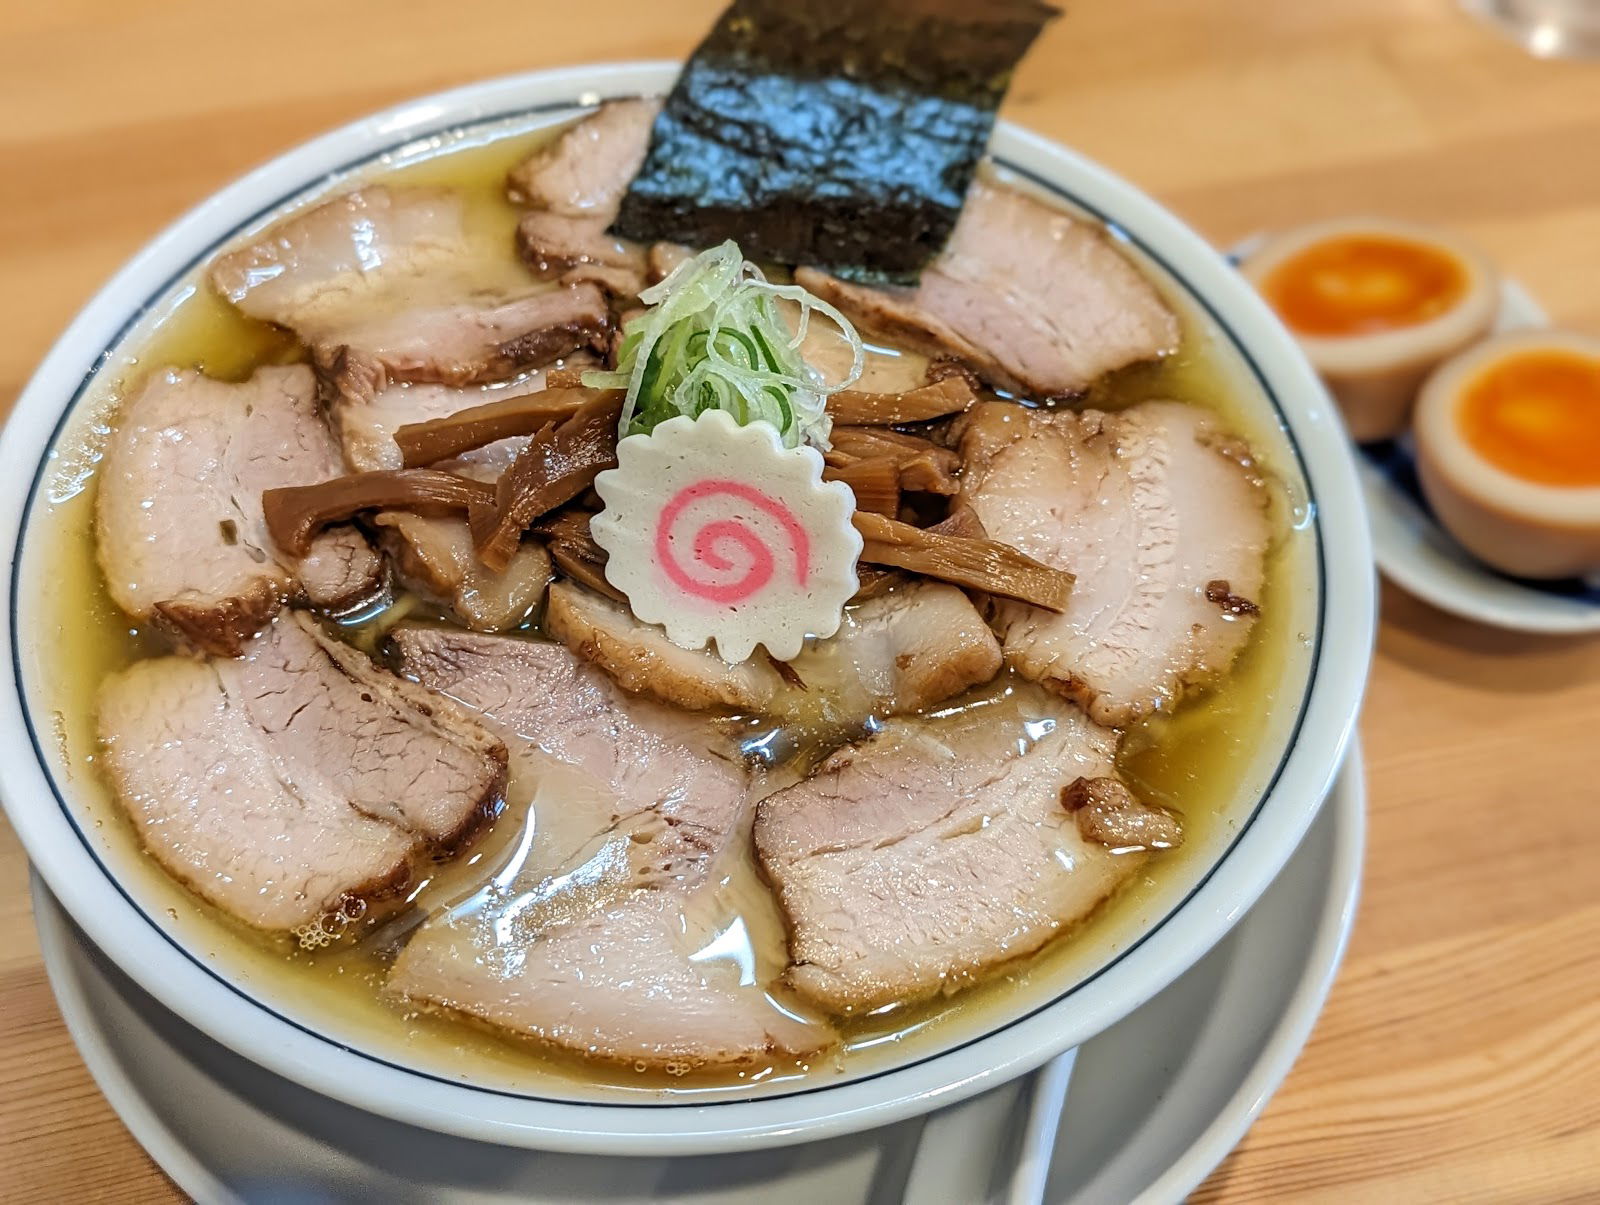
[(50, 815)]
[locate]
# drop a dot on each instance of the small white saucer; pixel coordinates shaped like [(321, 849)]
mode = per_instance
[(1417, 554), (1154, 1103)]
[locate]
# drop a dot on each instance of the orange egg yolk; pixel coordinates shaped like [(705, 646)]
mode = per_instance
[(1363, 284), (1536, 415)]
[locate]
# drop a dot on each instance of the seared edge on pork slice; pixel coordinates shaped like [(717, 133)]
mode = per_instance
[(290, 783), (605, 970), (915, 862), (1035, 300), (179, 526), (1152, 509)]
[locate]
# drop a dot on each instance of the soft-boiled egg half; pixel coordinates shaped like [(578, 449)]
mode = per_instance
[(1376, 304), (1508, 449)]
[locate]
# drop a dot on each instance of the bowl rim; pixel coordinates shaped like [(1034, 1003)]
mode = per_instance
[(1315, 749)]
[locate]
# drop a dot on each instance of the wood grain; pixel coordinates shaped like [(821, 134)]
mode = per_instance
[(1460, 1054)]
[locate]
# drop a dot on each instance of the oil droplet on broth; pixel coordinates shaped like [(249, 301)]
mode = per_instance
[(1191, 761)]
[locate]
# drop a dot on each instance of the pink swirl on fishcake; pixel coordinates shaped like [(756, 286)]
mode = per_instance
[(711, 543)]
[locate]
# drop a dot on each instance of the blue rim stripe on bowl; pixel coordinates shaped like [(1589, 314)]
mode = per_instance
[(104, 355)]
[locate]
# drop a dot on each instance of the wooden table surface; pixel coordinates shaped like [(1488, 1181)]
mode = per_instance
[(1459, 1058)]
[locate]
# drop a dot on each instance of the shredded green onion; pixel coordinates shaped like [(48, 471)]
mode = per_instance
[(715, 338)]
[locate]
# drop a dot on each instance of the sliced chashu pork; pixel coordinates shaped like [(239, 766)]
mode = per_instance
[(433, 555), (586, 169), (662, 258), (367, 429), (319, 269), (574, 185), (1109, 814), (289, 783), (596, 953), (883, 370), (575, 250), (640, 659), (460, 342), (898, 652), (619, 984), (901, 651), (670, 776), (911, 864), (179, 526), (1152, 509), (1035, 300), (385, 285)]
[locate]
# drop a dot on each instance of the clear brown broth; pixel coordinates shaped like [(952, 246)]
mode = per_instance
[(1201, 760)]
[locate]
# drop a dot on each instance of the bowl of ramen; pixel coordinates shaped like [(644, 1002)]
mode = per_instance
[(330, 717)]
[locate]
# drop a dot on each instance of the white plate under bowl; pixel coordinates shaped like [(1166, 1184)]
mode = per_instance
[(1162, 1097), (270, 1026), (1154, 1103)]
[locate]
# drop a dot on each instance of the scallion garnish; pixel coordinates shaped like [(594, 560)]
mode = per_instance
[(715, 337)]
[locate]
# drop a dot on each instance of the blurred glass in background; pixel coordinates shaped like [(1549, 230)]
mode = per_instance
[(1548, 28)]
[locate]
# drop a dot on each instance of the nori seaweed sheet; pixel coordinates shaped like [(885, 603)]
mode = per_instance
[(837, 133)]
